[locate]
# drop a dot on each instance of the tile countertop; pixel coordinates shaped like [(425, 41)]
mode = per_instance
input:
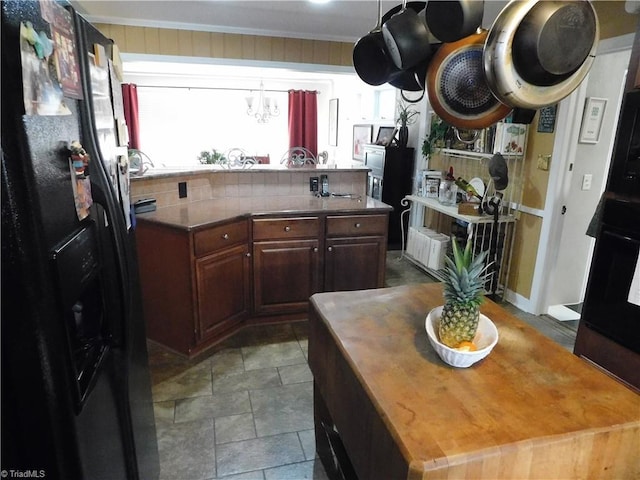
[(206, 213), (198, 169)]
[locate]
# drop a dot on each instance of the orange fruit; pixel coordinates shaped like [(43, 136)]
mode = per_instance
[(467, 347)]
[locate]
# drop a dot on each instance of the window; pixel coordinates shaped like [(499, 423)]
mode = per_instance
[(176, 124)]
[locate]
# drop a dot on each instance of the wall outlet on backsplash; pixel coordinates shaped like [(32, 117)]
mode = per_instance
[(182, 189), (313, 184)]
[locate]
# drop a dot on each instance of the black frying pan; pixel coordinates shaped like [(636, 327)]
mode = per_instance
[(371, 60)]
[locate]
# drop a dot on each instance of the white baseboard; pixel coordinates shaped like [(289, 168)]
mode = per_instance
[(519, 301)]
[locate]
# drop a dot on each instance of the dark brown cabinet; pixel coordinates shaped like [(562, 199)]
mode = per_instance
[(200, 286), (286, 264), (355, 255), (196, 285), (223, 290)]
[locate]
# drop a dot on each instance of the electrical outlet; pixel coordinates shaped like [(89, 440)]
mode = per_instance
[(182, 189), (313, 184), (586, 181)]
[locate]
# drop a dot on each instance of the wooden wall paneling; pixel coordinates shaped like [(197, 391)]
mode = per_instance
[(185, 43), (216, 41), (263, 48), (277, 49), (118, 35), (320, 52), (169, 42), (248, 47), (307, 51), (135, 39), (232, 45), (293, 50), (152, 41), (201, 44), (347, 54), (335, 53)]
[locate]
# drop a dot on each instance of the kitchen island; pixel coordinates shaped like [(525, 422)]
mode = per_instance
[(210, 267), (386, 406)]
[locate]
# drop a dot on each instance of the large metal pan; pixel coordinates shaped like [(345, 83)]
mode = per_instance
[(537, 53), (457, 87)]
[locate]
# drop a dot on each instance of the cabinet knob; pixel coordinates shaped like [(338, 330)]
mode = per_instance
[(330, 249), (225, 236), (287, 228), (315, 249), (358, 225), (248, 254)]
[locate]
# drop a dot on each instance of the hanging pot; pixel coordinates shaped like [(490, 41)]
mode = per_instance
[(457, 87), (371, 60), (537, 53), (406, 37), (451, 21)]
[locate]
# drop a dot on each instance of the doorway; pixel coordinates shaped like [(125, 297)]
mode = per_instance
[(577, 183)]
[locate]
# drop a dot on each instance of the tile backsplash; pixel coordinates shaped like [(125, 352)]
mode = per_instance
[(242, 184)]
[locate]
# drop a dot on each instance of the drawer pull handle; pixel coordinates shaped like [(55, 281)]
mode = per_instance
[(358, 225), (287, 228), (225, 236)]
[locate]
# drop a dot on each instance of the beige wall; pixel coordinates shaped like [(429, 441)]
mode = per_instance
[(613, 18), (187, 43)]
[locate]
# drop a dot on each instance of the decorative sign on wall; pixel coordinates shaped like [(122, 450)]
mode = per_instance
[(592, 120), (547, 119)]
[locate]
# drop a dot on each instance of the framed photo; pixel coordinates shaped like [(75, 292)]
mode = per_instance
[(592, 120), (385, 136), (333, 122), (361, 137)]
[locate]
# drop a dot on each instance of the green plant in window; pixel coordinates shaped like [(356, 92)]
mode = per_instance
[(211, 157)]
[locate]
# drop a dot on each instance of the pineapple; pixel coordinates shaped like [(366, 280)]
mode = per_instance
[(463, 293)]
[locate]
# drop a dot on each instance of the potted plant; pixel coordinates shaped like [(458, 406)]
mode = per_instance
[(212, 157), (436, 137), (406, 116)]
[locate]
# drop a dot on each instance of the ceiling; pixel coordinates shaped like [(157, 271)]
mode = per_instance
[(337, 20)]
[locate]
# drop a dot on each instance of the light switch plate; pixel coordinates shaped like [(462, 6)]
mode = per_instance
[(586, 181)]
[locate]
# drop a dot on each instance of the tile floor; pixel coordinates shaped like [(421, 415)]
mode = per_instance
[(244, 411)]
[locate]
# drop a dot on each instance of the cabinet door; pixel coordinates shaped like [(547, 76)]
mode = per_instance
[(223, 285), (285, 275), (355, 263)]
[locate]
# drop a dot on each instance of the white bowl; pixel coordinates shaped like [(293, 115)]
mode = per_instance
[(485, 339)]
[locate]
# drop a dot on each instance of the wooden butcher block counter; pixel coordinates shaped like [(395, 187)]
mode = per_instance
[(530, 409)]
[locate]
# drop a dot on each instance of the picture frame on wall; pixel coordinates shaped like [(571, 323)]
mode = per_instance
[(592, 119), (361, 137), (333, 122)]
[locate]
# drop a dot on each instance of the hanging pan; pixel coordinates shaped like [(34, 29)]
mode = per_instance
[(457, 87), (451, 21), (537, 53), (406, 37), (371, 60)]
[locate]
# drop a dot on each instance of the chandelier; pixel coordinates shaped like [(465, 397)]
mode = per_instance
[(266, 107)]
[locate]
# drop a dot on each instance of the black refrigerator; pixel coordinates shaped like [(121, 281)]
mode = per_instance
[(76, 389)]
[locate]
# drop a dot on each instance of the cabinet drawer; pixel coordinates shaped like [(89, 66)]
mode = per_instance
[(219, 237), (356, 225), (282, 228)]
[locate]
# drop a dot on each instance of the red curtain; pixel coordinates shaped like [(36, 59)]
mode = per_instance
[(130, 99), (303, 120)]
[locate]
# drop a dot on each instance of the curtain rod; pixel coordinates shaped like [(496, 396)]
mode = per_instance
[(223, 88)]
